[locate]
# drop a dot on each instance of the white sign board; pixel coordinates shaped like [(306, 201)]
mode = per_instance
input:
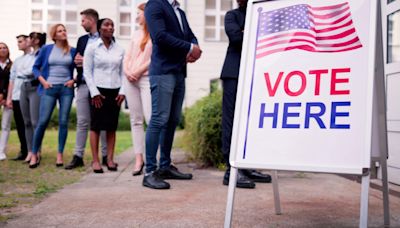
[(305, 91)]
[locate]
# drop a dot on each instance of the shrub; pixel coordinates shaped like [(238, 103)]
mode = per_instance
[(203, 130)]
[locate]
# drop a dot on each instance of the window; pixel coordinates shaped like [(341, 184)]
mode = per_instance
[(214, 19), (46, 13), (127, 17), (393, 42)]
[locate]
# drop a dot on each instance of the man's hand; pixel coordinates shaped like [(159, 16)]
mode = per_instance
[(78, 60), (97, 101), (120, 98), (195, 54)]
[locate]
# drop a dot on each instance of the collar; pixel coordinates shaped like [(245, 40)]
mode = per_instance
[(101, 43), (94, 35), (174, 6)]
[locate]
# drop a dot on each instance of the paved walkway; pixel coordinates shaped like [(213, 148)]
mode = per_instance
[(119, 200)]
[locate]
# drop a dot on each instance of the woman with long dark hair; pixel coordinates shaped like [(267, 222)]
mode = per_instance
[(29, 98), (5, 67), (54, 68), (103, 73)]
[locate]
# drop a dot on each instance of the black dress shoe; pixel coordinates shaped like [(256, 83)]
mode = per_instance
[(138, 172), (58, 165), (173, 173), (21, 156), (242, 180), (75, 163), (152, 180), (256, 176)]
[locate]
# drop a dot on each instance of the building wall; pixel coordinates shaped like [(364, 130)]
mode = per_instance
[(14, 17), (199, 73)]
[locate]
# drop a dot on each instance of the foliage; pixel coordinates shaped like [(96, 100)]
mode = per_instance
[(203, 130)]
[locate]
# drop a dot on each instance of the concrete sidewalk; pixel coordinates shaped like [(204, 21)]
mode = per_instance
[(117, 199)]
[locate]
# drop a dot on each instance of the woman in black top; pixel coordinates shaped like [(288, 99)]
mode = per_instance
[(5, 66)]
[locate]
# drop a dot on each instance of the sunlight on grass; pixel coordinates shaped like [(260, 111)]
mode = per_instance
[(20, 185)]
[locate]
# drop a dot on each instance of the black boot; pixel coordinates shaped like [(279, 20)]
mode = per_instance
[(75, 163), (21, 156), (152, 180), (242, 180), (256, 176)]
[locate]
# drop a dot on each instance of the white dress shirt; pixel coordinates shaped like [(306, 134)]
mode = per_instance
[(102, 67), (178, 15), (21, 71)]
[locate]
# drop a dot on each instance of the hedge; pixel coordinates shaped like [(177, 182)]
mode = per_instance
[(202, 135)]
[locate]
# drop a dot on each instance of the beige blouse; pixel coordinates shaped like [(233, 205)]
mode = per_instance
[(135, 59)]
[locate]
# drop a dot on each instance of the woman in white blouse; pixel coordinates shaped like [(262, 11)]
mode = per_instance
[(103, 74)]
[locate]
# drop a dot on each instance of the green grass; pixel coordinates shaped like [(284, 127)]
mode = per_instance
[(21, 186)]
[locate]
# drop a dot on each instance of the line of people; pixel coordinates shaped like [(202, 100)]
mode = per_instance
[(43, 76), (150, 74)]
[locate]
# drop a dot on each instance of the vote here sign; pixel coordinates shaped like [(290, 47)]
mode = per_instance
[(306, 85)]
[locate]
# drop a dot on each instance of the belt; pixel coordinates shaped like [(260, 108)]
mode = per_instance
[(26, 79)]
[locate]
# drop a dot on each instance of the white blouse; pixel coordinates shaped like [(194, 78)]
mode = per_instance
[(102, 67)]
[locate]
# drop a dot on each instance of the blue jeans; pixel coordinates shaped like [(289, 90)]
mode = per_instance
[(167, 93), (48, 100)]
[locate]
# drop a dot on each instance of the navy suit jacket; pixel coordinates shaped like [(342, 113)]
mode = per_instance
[(234, 26), (170, 44), (80, 48)]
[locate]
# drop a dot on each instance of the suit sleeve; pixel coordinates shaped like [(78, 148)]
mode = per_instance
[(192, 37), (156, 23), (233, 30), (79, 70)]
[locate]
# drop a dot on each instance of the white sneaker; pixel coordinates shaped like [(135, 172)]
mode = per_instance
[(2, 156)]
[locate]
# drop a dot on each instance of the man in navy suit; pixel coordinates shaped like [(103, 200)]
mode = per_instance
[(174, 44), (89, 23), (234, 28)]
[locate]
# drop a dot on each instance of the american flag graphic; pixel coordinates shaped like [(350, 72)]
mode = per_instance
[(314, 29)]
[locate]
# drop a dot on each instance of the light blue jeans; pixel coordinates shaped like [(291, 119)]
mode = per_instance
[(48, 100)]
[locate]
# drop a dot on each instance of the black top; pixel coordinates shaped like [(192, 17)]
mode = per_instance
[(5, 79), (234, 28)]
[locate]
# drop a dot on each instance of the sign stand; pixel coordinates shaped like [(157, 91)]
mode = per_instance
[(364, 198), (231, 195), (276, 192), (379, 146)]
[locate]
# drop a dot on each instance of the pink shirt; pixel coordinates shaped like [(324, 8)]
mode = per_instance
[(135, 58)]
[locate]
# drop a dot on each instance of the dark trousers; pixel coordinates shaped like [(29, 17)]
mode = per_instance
[(228, 112), (19, 122), (167, 94)]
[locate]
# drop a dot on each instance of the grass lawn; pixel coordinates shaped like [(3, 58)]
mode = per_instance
[(21, 187)]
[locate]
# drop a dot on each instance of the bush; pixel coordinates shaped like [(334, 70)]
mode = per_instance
[(203, 130)]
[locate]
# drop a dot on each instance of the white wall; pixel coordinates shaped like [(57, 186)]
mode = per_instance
[(14, 20)]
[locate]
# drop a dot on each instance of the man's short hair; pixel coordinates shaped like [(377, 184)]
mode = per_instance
[(91, 13), (22, 35)]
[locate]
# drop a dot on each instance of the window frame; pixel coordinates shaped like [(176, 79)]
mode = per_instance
[(44, 7), (217, 13)]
